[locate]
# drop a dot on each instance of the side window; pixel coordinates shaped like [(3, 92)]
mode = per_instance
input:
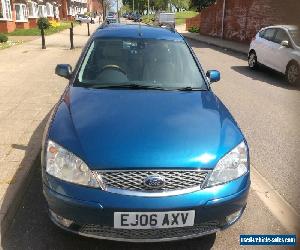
[(262, 33), (281, 35), (269, 34)]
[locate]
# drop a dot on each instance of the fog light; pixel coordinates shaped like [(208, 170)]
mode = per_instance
[(61, 220), (233, 217)]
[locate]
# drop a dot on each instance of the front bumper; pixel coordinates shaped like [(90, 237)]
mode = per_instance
[(91, 211)]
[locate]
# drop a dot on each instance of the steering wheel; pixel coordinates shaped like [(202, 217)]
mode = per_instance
[(113, 67)]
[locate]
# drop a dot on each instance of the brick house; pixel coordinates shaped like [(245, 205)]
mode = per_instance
[(23, 14), (240, 20), (94, 6)]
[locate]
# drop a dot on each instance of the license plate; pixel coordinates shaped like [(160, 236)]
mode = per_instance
[(147, 220)]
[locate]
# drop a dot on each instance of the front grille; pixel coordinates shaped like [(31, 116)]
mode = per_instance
[(149, 234), (134, 180)]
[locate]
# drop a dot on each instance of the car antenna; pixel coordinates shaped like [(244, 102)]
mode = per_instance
[(140, 32)]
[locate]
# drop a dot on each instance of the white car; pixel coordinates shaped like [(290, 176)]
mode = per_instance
[(83, 18), (277, 47), (165, 19)]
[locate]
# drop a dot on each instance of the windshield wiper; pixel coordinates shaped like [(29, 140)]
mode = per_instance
[(129, 85), (189, 88)]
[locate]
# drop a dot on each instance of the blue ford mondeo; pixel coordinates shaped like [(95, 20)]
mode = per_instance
[(139, 148)]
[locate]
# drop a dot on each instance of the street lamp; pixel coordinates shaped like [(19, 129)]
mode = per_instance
[(148, 9), (118, 9)]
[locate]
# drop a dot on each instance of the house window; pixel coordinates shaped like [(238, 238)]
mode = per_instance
[(5, 10), (49, 8), (42, 11), (71, 11), (32, 9), (56, 12), (21, 12)]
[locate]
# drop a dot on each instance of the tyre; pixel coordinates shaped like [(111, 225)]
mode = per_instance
[(292, 73), (252, 60)]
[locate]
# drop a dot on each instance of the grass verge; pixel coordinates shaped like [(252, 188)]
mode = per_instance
[(36, 32), (9, 44), (179, 17)]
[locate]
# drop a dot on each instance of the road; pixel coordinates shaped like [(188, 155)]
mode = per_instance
[(265, 109)]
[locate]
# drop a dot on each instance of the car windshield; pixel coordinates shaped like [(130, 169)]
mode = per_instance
[(152, 62), (295, 34)]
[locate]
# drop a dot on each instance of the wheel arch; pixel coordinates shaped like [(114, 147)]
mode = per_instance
[(252, 50), (291, 62)]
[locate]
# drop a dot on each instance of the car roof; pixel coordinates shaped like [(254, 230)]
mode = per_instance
[(136, 31), (283, 26)]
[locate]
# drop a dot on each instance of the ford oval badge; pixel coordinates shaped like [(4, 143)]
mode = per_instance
[(154, 181)]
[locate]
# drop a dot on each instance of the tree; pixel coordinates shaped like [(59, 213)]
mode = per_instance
[(202, 4), (181, 4), (125, 9), (43, 24)]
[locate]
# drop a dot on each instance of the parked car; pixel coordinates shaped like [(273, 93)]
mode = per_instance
[(130, 16), (139, 148), (111, 15), (277, 47), (111, 20), (165, 19), (125, 15), (137, 17), (83, 18)]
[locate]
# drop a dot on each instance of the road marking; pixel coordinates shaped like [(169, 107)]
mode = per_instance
[(278, 206)]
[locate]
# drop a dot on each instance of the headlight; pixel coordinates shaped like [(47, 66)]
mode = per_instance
[(231, 166), (68, 167)]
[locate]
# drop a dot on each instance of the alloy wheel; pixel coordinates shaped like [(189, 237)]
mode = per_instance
[(252, 60), (293, 73)]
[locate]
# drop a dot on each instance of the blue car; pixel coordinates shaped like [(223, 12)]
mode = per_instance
[(139, 148)]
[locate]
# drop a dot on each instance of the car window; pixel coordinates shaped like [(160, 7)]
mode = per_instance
[(262, 33), (295, 34), (269, 34), (155, 62), (281, 35)]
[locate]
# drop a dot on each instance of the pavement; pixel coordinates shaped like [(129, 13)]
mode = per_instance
[(22, 38), (224, 44), (29, 90)]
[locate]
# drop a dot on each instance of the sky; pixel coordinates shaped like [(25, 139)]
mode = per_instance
[(114, 7)]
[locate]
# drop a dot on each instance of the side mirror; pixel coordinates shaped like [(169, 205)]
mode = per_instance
[(64, 70), (285, 43), (213, 75)]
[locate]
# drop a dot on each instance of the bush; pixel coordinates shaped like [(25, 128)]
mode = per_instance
[(43, 23), (194, 29), (3, 38)]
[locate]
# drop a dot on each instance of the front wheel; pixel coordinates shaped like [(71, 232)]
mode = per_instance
[(252, 60), (293, 73)]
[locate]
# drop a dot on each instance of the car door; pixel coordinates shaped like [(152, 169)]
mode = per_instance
[(266, 47), (281, 54)]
